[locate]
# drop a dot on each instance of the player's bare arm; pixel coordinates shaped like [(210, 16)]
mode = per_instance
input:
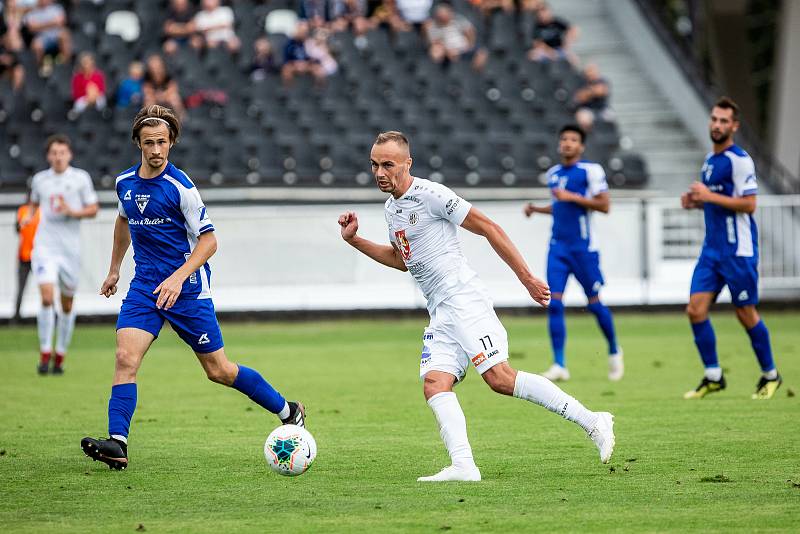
[(386, 254), (478, 223), (169, 290), (699, 192), (122, 240), (600, 202), (531, 208)]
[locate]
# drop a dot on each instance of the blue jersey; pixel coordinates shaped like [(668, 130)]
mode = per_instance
[(571, 222), (728, 233), (165, 216)]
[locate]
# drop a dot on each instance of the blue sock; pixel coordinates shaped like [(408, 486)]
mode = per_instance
[(759, 338), (606, 323), (558, 330), (706, 343), (254, 386), (121, 406)]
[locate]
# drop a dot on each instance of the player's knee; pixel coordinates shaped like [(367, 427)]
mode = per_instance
[(695, 312), (500, 379), (433, 386), (125, 360), (47, 300), (222, 374)]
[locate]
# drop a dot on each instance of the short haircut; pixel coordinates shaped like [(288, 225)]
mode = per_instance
[(397, 137), (573, 128), (726, 102), (60, 139), (153, 116)]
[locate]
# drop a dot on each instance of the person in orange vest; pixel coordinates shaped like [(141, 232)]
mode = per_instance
[(27, 222)]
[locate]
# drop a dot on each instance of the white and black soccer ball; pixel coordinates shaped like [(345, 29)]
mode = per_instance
[(290, 450)]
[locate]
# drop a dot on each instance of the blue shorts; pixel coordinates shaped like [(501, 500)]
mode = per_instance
[(583, 264), (739, 273), (194, 320)]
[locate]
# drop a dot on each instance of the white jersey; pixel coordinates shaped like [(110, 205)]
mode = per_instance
[(423, 225), (56, 231)]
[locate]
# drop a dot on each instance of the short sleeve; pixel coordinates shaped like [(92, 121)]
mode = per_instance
[(596, 178), (197, 219), (444, 203), (36, 195), (88, 194), (743, 173)]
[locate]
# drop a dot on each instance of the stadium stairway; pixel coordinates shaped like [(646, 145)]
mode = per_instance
[(647, 122)]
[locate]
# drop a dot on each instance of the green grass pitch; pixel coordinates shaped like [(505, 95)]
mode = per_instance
[(726, 463)]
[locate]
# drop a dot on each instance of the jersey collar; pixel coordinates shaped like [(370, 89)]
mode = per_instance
[(165, 171)]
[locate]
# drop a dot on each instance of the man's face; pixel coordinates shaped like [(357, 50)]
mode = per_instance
[(58, 156), (570, 145), (721, 124), (391, 164), (155, 145), (443, 15)]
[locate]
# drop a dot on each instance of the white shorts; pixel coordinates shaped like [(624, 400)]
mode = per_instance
[(464, 330), (51, 267)]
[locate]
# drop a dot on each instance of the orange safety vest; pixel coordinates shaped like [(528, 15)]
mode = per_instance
[(27, 230)]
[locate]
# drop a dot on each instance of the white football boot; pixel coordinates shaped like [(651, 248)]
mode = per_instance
[(556, 373), (454, 473), (616, 366), (603, 435)]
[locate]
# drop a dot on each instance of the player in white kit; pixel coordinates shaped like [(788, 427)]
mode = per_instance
[(422, 217), (65, 195)]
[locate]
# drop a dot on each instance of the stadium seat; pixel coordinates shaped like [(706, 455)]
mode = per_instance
[(123, 23), (280, 21)]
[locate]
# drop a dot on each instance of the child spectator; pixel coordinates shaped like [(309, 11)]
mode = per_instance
[(263, 63), (130, 91)]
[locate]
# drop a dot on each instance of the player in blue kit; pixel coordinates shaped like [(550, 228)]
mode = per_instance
[(579, 187), (162, 215), (727, 194)]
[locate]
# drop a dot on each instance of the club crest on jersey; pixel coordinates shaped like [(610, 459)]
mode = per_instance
[(402, 244), (707, 171), (127, 195), (141, 202), (413, 218)]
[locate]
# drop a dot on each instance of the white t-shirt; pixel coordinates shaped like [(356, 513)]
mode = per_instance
[(56, 231), (221, 16), (423, 225), (414, 11)]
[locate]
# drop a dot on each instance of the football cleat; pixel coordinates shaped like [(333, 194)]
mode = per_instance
[(706, 386), (766, 388), (43, 368), (454, 473), (616, 366), (58, 370), (109, 451), (603, 435), (297, 415), (556, 373)]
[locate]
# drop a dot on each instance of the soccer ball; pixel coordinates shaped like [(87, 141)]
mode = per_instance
[(290, 450)]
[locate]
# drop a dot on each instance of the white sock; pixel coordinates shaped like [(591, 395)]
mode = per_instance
[(713, 373), (452, 428), (66, 325), (284, 413), (118, 437), (541, 391), (771, 375), (45, 321)]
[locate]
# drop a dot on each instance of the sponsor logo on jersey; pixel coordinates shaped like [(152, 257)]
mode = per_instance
[(478, 359), (398, 211), (413, 219), (750, 178), (141, 201), (127, 195), (147, 221), (203, 213), (426, 355), (412, 198), (452, 205), (707, 171), (402, 244), (202, 340), (743, 295), (416, 268)]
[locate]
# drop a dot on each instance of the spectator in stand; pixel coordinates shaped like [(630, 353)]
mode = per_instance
[(214, 26), (591, 99), (10, 67), (552, 37), (27, 221), (11, 25), (316, 13), (296, 59), (263, 64), (319, 52), (387, 15), (352, 15), (452, 36), (179, 26), (414, 12), (47, 22), (130, 92), (88, 84), (159, 87)]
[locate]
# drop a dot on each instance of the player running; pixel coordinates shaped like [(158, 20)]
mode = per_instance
[(727, 195), (65, 195), (162, 215), (579, 187), (423, 217)]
